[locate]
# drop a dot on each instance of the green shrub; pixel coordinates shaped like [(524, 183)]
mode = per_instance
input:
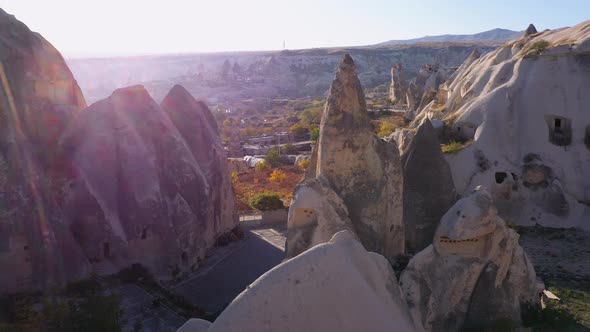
[(266, 201), (452, 147), (273, 158), (289, 149), (314, 134), (538, 47)]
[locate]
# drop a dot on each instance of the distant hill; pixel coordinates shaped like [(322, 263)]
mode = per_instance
[(494, 35)]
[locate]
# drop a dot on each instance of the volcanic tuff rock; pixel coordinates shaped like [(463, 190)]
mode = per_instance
[(530, 30), (148, 192), (398, 86), (199, 129), (474, 274), (361, 169), (38, 99), (335, 286), (429, 190), (97, 189), (525, 105)]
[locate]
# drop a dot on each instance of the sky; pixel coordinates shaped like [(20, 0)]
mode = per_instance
[(80, 28)]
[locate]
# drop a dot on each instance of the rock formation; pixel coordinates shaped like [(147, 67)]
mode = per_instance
[(474, 274), (530, 30), (199, 129), (398, 86), (335, 286), (147, 191), (96, 189), (362, 170), (38, 99), (424, 88), (525, 106), (429, 190)]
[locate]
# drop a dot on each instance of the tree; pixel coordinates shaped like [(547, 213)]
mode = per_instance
[(311, 116), (298, 131), (273, 159), (314, 134)]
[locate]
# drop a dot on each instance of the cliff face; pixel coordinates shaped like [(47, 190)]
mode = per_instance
[(361, 170), (525, 107), (99, 188), (38, 99)]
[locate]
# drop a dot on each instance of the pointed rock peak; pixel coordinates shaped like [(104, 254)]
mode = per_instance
[(347, 66), (179, 99), (346, 93), (531, 30), (134, 90), (178, 95), (426, 125)]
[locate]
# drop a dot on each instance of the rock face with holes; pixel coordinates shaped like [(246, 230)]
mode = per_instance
[(338, 277), (362, 171), (153, 184), (429, 190), (525, 107), (474, 275), (39, 97)]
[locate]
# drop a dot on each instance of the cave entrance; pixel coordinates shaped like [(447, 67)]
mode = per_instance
[(184, 258), (560, 130), (500, 177)]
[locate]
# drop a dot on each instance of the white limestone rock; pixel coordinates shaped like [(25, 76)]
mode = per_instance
[(525, 105), (362, 170), (335, 286), (474, 274)]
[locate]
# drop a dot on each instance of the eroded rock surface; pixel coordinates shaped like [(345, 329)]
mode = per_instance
[(38, 99), (148, 192), (429, 190), (335, 286), (475, 273), (361, 169), (525, 105), (96, 189)]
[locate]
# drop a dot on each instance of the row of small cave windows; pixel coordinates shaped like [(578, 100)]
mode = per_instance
[(560, 132)]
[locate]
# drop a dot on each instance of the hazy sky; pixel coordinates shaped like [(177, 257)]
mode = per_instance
[(125, 27)]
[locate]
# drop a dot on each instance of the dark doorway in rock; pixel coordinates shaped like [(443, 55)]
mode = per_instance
[(500, 177), (560, 130), (106, 248), (184, 258), (144, 234)]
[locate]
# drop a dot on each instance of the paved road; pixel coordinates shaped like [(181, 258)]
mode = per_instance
[(231, 269)]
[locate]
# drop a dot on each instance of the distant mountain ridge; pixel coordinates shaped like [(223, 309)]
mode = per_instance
[(494, 35)]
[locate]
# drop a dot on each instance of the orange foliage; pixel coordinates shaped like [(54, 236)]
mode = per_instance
[(255, 181)]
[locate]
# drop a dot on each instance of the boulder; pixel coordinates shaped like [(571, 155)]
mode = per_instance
[(335, 286), (429, 190), (474, 275), (361, 169)]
